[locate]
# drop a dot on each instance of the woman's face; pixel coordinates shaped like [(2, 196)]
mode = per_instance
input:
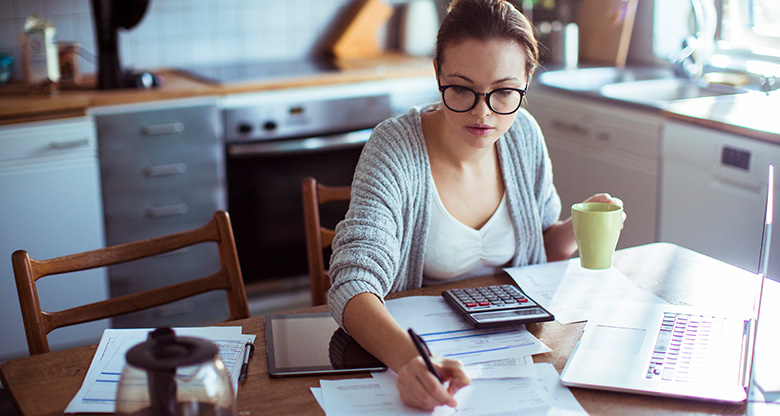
[(482, 66)]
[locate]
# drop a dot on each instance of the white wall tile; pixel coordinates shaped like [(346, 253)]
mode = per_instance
[(25, 8), (80, 6), (186, 32), (198, 21), (57, 7), (170, 22), (6, 10), (64, 25)]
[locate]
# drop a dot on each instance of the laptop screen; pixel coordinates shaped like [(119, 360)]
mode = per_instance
[(763, 264)]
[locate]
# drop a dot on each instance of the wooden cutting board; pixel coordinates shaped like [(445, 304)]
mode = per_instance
[(358, 37), (605, 28)]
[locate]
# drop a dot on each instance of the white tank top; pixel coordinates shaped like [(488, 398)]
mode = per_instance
[(457, 251)]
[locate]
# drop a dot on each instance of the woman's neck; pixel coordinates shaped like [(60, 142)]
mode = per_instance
[(445, 150)]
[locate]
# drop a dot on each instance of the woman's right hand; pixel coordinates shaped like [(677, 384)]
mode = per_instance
[(421, 389)]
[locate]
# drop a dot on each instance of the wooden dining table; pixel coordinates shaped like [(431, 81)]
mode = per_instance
[(44, 384)]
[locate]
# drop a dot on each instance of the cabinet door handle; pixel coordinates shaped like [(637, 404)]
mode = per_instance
[(158, 129), (312, 144), (167, 210), (165, 170), (570, 127), (70, 144)]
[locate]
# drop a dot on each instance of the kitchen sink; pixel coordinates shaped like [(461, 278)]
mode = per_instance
[(653, 87), (658, 92), (591, 79)]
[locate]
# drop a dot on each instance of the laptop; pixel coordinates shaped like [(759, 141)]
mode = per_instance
[(672, 351)]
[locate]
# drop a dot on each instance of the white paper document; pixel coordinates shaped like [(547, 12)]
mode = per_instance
[(378, 396), (98, 391), (480, 345), (449, 335), (571, 293), (511, 367)]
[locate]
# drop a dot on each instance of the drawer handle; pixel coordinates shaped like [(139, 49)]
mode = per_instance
[(174, 309), (570, 127), (167, 211), (165, 170), (70, 144), (158, 129)]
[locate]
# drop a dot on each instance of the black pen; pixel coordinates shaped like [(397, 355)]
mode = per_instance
[(249, 349), (425, 353)]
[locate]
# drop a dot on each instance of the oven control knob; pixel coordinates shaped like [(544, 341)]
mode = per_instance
[(244, 128), (269, 125)]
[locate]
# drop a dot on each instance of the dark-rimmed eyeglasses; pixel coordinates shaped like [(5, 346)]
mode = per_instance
[(461, 99)]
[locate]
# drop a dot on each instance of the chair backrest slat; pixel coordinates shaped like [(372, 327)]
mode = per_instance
[(319, 238), (38, 323)]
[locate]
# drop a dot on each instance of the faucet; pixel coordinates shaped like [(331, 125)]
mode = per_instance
[(690, 60), (768, 83)]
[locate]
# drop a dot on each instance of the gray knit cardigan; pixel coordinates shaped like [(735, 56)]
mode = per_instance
[(380, 245)]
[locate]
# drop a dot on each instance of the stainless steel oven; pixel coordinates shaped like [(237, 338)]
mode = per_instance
[(276, 138)]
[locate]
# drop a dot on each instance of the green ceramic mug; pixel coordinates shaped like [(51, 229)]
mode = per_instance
[(596, 228)]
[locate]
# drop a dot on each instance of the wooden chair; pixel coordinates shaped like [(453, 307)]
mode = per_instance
[(319, 238), (38, 323)]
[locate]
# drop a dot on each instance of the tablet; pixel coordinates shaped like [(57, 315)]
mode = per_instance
[(313, 343)]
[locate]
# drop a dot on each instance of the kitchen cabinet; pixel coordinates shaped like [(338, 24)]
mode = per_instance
[(713, 188), (600, 147), (163, 171), (51, 207)]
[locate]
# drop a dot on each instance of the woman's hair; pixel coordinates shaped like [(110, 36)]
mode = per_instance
[(486, 20)]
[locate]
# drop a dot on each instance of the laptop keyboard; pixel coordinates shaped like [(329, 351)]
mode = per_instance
[(682, 345)]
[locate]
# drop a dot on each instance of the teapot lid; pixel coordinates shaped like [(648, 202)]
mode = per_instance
[(164, 351)]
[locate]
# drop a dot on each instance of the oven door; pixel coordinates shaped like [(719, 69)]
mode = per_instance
[(265, 201)]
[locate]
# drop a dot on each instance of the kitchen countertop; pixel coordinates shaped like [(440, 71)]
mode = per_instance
[(749, 114), (752, 115), (17, 104)]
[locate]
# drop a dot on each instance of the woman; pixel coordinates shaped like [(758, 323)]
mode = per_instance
[(450, 191)]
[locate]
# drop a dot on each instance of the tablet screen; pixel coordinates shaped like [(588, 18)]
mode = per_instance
[(312, 343)]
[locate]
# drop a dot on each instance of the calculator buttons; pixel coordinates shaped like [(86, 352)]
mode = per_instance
[(494, 305), (497, 297)]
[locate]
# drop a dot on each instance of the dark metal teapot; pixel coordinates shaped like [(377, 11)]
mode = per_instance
[(174, 376)]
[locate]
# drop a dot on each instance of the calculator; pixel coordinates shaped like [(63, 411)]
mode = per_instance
[(496, 305)]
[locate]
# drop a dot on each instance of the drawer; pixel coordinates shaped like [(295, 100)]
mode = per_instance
[(48, 139), (178, 266), (163, 172), (137, 216), (628, 132), (170, 130), (202, 310)]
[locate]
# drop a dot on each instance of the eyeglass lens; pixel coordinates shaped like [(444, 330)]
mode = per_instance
[(502, 100)]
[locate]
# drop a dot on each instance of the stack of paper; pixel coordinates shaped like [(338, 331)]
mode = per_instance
[(98, 392), (542, 394), (572, 293), (504, 378)]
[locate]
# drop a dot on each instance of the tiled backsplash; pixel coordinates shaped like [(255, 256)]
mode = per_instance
[(179, 33)]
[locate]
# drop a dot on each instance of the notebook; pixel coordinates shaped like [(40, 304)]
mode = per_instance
[(674, 351)]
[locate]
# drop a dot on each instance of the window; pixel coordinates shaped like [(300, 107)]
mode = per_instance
[(751, 26)]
